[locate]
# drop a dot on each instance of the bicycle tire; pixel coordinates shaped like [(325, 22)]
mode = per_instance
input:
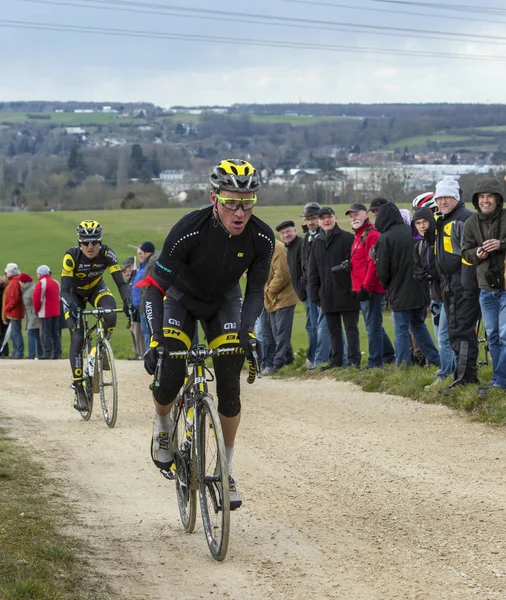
[(214, 490), (87, 380), (107, 383), (185, 462), (483, 351)]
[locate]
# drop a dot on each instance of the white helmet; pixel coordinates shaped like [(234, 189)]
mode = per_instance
[(425, 200)]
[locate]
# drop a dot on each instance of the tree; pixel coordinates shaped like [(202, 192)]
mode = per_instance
[(155, 164), (76, 165), (137, 160)]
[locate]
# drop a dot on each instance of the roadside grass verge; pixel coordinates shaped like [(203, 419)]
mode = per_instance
[(37, 562), (410, 382)]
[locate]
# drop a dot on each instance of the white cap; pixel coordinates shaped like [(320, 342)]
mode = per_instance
[(43, 270), (12, 269)]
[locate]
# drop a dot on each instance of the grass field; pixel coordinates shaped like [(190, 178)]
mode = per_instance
[(32, 238), (419, 141), (68, 119), (290, 119)]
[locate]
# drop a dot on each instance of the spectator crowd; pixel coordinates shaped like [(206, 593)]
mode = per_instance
[(441, 261)]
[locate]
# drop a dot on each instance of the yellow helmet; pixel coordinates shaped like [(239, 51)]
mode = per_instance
[(235, 175), (89, 231)]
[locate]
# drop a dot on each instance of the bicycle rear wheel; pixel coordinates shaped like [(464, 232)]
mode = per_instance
[(87, 380), (213, 481), (184, 459), (107, 384)]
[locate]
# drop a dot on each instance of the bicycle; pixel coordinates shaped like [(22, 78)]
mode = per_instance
[(200, 461), (99, 370), (483, 349)]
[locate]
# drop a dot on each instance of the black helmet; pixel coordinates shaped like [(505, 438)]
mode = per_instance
[(89, 231), (235, 175)]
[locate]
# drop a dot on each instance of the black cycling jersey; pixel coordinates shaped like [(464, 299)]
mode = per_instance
[(82, 275), (204, 262)]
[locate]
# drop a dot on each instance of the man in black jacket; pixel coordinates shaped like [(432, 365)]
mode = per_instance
[(293, 243), (458, 281), (316, 324), (395, 260), (332, 289)]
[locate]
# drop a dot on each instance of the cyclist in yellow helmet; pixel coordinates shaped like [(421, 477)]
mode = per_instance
[(197, 278), (82, 281)]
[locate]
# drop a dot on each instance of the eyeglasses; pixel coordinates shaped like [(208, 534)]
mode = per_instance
[(89, 242), (234, 204)]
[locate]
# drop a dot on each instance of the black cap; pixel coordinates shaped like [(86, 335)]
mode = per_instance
[(311, 209), (285, 224), (148, 247), (326, 210), (356, 208), (377, 202)]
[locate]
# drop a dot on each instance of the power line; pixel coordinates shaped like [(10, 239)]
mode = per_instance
[(391, 11), (241, 41), (287, 21)]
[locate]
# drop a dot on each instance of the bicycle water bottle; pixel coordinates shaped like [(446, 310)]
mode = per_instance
[(91, 361), (189, 421)]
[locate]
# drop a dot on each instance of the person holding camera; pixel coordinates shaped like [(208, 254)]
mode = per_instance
[(458, 281), (484, 244), (330, 287), (365, 283), (395, 266)]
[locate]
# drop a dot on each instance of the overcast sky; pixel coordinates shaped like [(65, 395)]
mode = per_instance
[(45, 64)]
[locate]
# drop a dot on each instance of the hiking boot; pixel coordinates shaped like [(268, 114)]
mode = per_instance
[(161, 452), (437, 381), (310, 365), (81, 399), (235, 498), (269, 371)]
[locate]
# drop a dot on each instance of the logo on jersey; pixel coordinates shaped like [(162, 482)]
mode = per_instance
[(230, 326), (175, 322), (240, 254)]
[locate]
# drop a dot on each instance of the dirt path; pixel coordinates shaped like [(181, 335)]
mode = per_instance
[(346, 495)]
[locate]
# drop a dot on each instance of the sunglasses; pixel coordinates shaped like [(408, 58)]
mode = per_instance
[(89, 242), (234, 204)]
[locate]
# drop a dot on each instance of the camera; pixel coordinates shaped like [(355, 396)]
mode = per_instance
[(345, 267)]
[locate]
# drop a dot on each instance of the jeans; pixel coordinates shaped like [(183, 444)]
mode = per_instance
[(51, 337), (281, 325), (18, 344), (312, 313), (381, 350), (322, 354), (403, 321), (34, 344), (493, 310), (446, 353), (145, 329), (267, 339)]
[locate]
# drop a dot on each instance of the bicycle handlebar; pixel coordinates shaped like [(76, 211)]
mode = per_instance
[(198, 353), (101, 311)]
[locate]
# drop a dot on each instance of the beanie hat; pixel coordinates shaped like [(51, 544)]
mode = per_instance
[(129, 262), (12, 269), (148, 247), (447, 187), (43, 270), (25, 278)]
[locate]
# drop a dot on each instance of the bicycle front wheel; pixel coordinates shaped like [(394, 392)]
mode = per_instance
[(107, 383), (184, 458), (87, 380), (213, 481)]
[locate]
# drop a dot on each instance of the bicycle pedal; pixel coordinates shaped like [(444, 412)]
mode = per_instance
[(170, 474)]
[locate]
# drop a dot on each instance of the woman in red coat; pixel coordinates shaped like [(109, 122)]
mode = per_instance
[(13, 309)]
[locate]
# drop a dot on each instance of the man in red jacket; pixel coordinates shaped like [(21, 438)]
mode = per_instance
[(14, 309), (46, 303), (365, 282)]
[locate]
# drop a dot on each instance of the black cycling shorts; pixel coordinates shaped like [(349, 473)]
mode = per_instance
[(221, 330)]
